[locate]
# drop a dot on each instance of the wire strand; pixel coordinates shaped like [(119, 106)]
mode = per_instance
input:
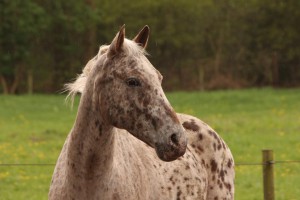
[(24, 164), (248, 164), (286, 161)]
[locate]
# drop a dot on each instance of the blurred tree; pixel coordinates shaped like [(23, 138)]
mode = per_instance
[(208, 44), (279, 39), (21, 22), (67, 40)]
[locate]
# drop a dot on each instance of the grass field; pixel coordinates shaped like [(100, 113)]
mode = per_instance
[(33, 130)]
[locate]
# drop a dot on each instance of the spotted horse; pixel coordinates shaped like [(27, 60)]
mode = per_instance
[(126, 131)]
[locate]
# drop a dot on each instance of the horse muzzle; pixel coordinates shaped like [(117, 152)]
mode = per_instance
[(175, 147)]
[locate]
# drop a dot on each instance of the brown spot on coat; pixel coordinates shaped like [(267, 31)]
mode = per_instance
[(156, 123), (200, 136), (215, 146), (139, 126), (116, 196), (212, 133), (190, 126), (146, 101), (97, 123), (187, 166), (213, 165), (179, 192), (200, 148), (222, 174), (213, 177), (219, 146), (221, 186), (228, 186)]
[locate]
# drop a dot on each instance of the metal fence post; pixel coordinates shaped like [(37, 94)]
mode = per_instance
[(268, 174)]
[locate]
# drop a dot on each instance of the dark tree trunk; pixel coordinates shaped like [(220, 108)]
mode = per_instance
[(10, 86), (4, 85), (29, 82)]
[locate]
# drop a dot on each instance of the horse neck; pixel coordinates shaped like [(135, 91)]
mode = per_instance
[(91, 143)]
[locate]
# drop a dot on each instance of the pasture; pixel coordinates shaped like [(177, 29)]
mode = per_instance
[(33, 130)]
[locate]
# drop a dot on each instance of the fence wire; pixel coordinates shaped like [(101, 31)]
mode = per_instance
[(25, 164), (270, 162)]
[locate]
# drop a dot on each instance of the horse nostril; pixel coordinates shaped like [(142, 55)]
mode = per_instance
[(174, 139)]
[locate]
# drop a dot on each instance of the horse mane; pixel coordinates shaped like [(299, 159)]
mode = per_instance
[(129, 48)]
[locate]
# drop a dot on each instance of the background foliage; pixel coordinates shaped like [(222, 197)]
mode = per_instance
[(208, 44)]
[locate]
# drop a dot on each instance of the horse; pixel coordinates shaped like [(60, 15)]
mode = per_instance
[(127, 141)]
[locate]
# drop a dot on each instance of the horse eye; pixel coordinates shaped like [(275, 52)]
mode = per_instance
[(133, 82)]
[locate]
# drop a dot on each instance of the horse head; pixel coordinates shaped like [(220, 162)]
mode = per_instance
[(127, 92)]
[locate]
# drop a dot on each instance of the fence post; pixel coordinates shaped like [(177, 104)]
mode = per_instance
[(268, 174)]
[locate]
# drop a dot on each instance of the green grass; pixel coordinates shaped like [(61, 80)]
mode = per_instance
[(33, 130)]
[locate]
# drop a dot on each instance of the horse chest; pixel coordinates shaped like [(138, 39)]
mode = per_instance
[(184, 178), (167, 182), (140, 174)]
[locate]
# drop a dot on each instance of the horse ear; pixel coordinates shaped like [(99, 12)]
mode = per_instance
[(117, 43), (142, 37)]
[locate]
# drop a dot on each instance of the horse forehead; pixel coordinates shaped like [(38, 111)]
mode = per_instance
[(142, 65)]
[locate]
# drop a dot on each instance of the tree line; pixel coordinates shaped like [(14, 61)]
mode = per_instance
[(197, 45)]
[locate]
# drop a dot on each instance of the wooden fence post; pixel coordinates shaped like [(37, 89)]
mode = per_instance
[(268, 174)]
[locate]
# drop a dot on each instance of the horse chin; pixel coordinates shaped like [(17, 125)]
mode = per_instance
[(169, 153)]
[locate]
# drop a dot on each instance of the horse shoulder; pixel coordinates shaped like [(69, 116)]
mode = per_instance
[(214, 154)]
